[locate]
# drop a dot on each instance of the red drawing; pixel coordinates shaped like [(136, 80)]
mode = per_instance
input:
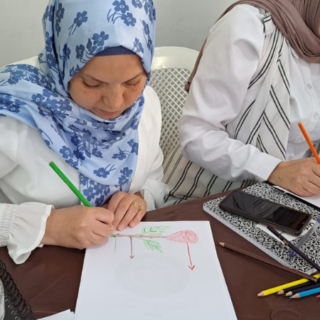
[(185, 236)]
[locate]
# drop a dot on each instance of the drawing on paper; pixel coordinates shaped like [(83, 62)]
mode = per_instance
[(148, 234)]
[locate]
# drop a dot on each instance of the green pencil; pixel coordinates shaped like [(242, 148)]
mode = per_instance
[(69, 184)]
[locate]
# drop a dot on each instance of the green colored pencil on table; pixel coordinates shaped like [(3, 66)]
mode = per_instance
[(70, 184)]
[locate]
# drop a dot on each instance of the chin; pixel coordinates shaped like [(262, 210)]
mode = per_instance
[(107, 115)]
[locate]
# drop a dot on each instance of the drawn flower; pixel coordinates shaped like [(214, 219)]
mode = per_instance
[(60, 13), (14, 109), (58, 28), (81, 18), (97, 153), (74, 71), (80, 51), (78, 154), (99, 39), (47, 93), (120, 6), (123, 179), (126, 171), (98, 188), (51, 61), (128, 19), (83, 179), (65, 106), (99, 201), (66, 51), (137, 4), (146, 28), (65, 152), (134, 146), (102, 172), (138, 46), (89, 193)]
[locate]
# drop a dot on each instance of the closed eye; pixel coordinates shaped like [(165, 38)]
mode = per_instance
[(90, 87), (130, 84)]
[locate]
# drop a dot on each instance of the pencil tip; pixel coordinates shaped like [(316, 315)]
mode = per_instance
[(296, 296), (261, 294), (280, 293), (221, 244), (289, 294)]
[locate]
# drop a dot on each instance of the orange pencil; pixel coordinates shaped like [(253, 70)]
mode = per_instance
[(304, 132)]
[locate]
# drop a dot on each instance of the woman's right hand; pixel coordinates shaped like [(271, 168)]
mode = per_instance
[(78, 227), (301, 177)]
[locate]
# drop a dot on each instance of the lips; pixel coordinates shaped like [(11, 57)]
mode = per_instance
[(106, 114)]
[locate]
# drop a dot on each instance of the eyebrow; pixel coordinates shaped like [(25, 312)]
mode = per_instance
[(139, 74)]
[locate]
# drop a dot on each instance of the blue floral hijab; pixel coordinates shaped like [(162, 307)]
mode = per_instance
[(103, 151)]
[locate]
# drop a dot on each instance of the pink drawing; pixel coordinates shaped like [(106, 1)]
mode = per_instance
[(149, 233), (187, 237)]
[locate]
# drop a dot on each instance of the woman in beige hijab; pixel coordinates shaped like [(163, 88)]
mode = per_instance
[(256, 78)]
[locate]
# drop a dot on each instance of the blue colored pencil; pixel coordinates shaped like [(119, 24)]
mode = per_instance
[(305, 293)]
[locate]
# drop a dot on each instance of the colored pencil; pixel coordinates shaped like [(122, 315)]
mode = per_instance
[(285, 291), (308, 287), (264, 260), (305, 293), (69, 184), (306, 136), (305, 238), (294, 248), (284, 286)]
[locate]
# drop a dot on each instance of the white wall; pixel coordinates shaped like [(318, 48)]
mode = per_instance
[(20, 29), (179, 23)]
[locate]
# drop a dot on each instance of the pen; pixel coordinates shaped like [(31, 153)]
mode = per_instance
[(295, 249), (70, 184), (305, 238), (306, 136)]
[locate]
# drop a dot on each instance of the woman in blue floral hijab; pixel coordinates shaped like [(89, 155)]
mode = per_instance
[(86, 107)]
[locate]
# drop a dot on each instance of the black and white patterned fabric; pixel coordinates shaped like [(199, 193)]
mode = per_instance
[(264, 124), (249, 230)]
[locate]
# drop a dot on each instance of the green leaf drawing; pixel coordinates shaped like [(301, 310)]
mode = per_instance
[(154, 231), (153, 245)]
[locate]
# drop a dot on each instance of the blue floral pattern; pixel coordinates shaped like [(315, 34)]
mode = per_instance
[(103, 151), (78, 21)]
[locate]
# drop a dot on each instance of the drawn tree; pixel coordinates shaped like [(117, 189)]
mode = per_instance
[(148, 234)]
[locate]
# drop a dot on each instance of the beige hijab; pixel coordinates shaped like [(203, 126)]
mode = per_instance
[(298, 21)]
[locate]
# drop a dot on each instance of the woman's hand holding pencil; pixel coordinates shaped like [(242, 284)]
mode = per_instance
[(78, 227), (302, 176)]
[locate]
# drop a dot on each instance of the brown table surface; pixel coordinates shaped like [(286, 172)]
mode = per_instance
[(49, 279)]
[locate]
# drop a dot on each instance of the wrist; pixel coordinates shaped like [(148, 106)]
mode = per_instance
[(49, 236), (275, 175)]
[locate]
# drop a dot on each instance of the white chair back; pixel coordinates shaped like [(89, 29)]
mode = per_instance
[(171, 68)]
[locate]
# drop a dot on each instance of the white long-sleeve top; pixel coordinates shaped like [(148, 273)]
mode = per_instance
[(29, 187), (218, 94)]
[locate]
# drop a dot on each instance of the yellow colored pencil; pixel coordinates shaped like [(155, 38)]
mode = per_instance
[(284, 286)]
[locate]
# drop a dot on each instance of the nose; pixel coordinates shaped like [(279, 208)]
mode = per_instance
[(113, 98)]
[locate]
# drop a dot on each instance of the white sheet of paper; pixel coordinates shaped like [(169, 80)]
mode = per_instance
[(315, 200), (152, 276), (65, 315)]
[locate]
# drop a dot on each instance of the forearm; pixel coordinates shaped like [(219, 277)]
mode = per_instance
[(230, 159)]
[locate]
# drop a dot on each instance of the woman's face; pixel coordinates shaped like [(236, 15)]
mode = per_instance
[(108, 85)]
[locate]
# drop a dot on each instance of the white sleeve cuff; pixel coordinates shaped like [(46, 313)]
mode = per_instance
[(154, 192), (262, 166), (22, 228)]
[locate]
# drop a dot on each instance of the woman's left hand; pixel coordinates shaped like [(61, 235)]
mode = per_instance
[(128, 209)]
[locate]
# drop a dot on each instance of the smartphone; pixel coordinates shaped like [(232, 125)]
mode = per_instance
[(267, 212)]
